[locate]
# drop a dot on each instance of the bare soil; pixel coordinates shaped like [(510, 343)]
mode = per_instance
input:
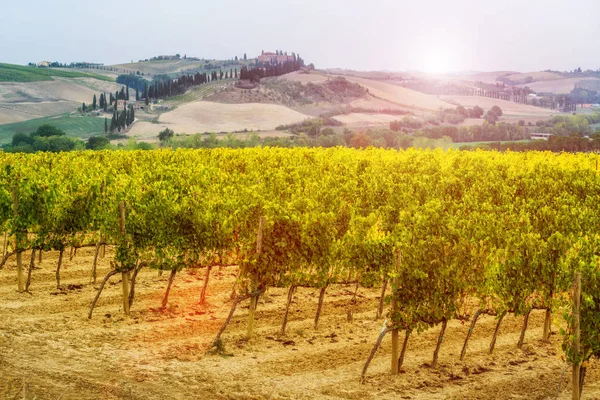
[(50, 350)]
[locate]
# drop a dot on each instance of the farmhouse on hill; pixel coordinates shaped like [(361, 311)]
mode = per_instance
[(271, 58), (44, 64)]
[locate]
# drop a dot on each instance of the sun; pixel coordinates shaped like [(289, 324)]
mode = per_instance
[(437, 62)]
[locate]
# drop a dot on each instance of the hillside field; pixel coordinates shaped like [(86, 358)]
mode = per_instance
[(204, 116), (76, 126), (19, 73), (561, 86), (21, 101)]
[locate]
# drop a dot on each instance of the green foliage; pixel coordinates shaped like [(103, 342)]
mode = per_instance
[(165, 135), (97, 143), (425, 221), (75, 126), (18, 73)]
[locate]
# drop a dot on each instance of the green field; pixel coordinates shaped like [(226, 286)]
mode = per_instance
[(75, 126), (458, 145), (19, 73)]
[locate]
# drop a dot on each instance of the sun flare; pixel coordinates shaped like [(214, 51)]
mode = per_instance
[(437, 62)]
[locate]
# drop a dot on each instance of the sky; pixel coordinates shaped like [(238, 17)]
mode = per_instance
[(393, 35)]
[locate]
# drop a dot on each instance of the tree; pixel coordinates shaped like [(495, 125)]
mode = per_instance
[(21, 138), (491, 117), (94, 103), (48, 130), (127, 93), (105, 125), (245, 56), (83, 107), (496, 110), (476, 112), (165, 135), (96, 143), (236, 58), (137, 95)]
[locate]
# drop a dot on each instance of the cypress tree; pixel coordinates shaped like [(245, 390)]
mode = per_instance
[(137, 94), (83, 108), (105, 125), (94, 103), (127, 93)]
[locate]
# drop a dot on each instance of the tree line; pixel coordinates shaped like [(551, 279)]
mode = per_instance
[(255, 74)]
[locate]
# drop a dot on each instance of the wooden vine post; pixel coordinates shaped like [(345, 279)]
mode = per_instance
[(254, 283), (576, 328), (18, 240), (395, 344), (493, 343), (124, 273)]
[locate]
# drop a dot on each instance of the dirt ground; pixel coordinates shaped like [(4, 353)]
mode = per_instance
[(50, 350)]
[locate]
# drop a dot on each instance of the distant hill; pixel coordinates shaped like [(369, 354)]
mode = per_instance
[(19, 73), (173, 67)]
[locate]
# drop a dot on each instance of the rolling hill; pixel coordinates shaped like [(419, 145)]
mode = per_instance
[(19, 73)]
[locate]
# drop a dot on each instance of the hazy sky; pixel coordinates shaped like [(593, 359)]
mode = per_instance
[(434, 35)]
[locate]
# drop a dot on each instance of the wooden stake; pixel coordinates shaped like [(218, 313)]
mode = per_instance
[(320, 306), (224, 326), (106, 278), (373, 351), (522, 338), (205, 286), (287, 308), (493, 343), (576, 328), (171, 279), (471, 328), (439, 344), (403, 352)]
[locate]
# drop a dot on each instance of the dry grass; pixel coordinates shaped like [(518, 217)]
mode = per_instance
[(399, 95), (360, 119), (204, 116), (559, 85), (29, 100), (313, 77)]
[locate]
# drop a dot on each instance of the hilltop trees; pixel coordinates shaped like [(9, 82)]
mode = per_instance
[(276, 69)]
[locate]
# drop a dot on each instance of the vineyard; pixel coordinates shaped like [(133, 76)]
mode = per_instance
[(414, 239)]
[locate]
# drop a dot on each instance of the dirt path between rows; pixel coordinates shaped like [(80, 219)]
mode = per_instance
[(50, 350)]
